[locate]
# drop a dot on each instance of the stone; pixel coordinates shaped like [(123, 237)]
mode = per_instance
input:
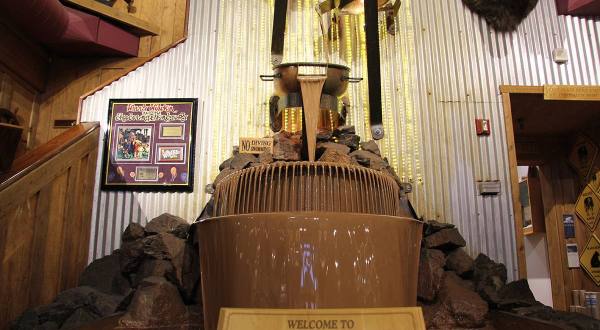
[(155, 304), (344, 130), (26, 321), (287, 147), (459, 280), (445, 239), (105, 275), (351, 141), (460, 262), (334, 156), (324, 135), (132, 232), (80, 317), (431, 273), (502, 15), (131, 255), (187, 272), (241, 161), (181, 230), (222, 175), (370, 160), (96, 302), (371, 146), (226, 164), (561, 319), (340, 148), (466, 307), (516, 294), (164, 223), (153, 267), (208, 210), (265, 158), (164, 246), (433, 226), (489, 277)]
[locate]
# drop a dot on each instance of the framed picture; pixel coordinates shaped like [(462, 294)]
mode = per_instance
[(149, 145)]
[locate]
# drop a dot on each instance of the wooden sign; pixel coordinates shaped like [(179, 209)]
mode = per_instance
[(589, 259), (588, 207), (256, 145), (571, 93), (582, 155), (351, 318)]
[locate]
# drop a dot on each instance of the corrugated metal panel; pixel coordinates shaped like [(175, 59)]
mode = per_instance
[(440, 71), (185, 71), (460, 62)]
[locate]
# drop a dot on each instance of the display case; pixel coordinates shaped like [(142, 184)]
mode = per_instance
[(532, 206)]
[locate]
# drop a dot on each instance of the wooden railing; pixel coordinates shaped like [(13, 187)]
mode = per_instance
[(45, 213)]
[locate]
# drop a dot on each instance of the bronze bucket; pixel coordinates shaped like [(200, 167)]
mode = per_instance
[(307, 260)]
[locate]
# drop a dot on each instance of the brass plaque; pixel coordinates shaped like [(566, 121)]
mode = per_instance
[(589, 259), (588, 207), (256, 145), (350, 318), (172, 131), (582, 155), (572, 93)]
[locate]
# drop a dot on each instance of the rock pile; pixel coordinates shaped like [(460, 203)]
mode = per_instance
[(152, 281), (459, 292)]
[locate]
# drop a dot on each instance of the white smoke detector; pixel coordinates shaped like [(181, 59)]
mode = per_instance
[(560, 56)]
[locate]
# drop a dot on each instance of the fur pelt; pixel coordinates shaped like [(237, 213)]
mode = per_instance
[(502, 15)]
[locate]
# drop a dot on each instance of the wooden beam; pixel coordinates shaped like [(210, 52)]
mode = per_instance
[(139, 26)]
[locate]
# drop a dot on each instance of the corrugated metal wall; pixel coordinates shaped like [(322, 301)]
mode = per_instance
[(441, 70)]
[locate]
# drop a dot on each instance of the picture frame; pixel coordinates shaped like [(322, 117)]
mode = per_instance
[(149, 145)]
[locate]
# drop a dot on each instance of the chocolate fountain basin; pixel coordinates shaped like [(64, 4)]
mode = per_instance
[(307, 260)]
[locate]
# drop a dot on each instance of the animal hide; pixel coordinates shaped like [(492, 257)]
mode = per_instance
[(502, 15)]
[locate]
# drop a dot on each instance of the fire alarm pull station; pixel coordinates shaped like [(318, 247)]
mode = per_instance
[(482, 126)]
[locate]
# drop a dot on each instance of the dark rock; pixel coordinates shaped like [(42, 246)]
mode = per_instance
[(153, 267), (489, 277), (132, 232), (265, 158), (369, 159), (222, 175), (125, 302), (334, 156), (563, 319), (93, 300), (457, 307), (187, 272), (371, 146), (344, 130), (502, 15), (155, 304), (287, 147), (80, 317), (431, 273), (164, 223), (240, 161), (28, 320), (460, 262), (432, 226), (459, 280), (445, 239), (340, 148), (164, 246), (350, 140), (226, 164), (516, 294), (131, 255), (324, 135), (181, 230), (105, 275), (208, 210)]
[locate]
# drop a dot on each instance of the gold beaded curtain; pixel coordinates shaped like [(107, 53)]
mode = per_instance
[(243, 53)]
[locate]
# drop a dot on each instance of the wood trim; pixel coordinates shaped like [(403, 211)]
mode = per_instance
[(135, 65), (507, 89), (32, 160), (514, 178), (139, 26)]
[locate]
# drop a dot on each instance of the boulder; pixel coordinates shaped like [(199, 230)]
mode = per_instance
[(334, 156), (324, 135), (181, 230), (322, 147), (131, 255), (164, 223), (287, 147), (489, 277), (153, 267), (369, 159), (155, 304), (105, 275), (371, 146), (164, 246), (80, 317), (459, 280), (516, 294), (445, 239), (433, 226), (466, 307), (344, 130), (460, 262), (226, 164), (265, 158), (132, 232), (431, 273), (351, 141), (241, 161)]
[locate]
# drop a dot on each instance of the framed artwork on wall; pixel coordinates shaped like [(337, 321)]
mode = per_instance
[(149, 145)]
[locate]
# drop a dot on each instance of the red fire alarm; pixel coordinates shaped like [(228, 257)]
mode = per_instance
[(482, 126)]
